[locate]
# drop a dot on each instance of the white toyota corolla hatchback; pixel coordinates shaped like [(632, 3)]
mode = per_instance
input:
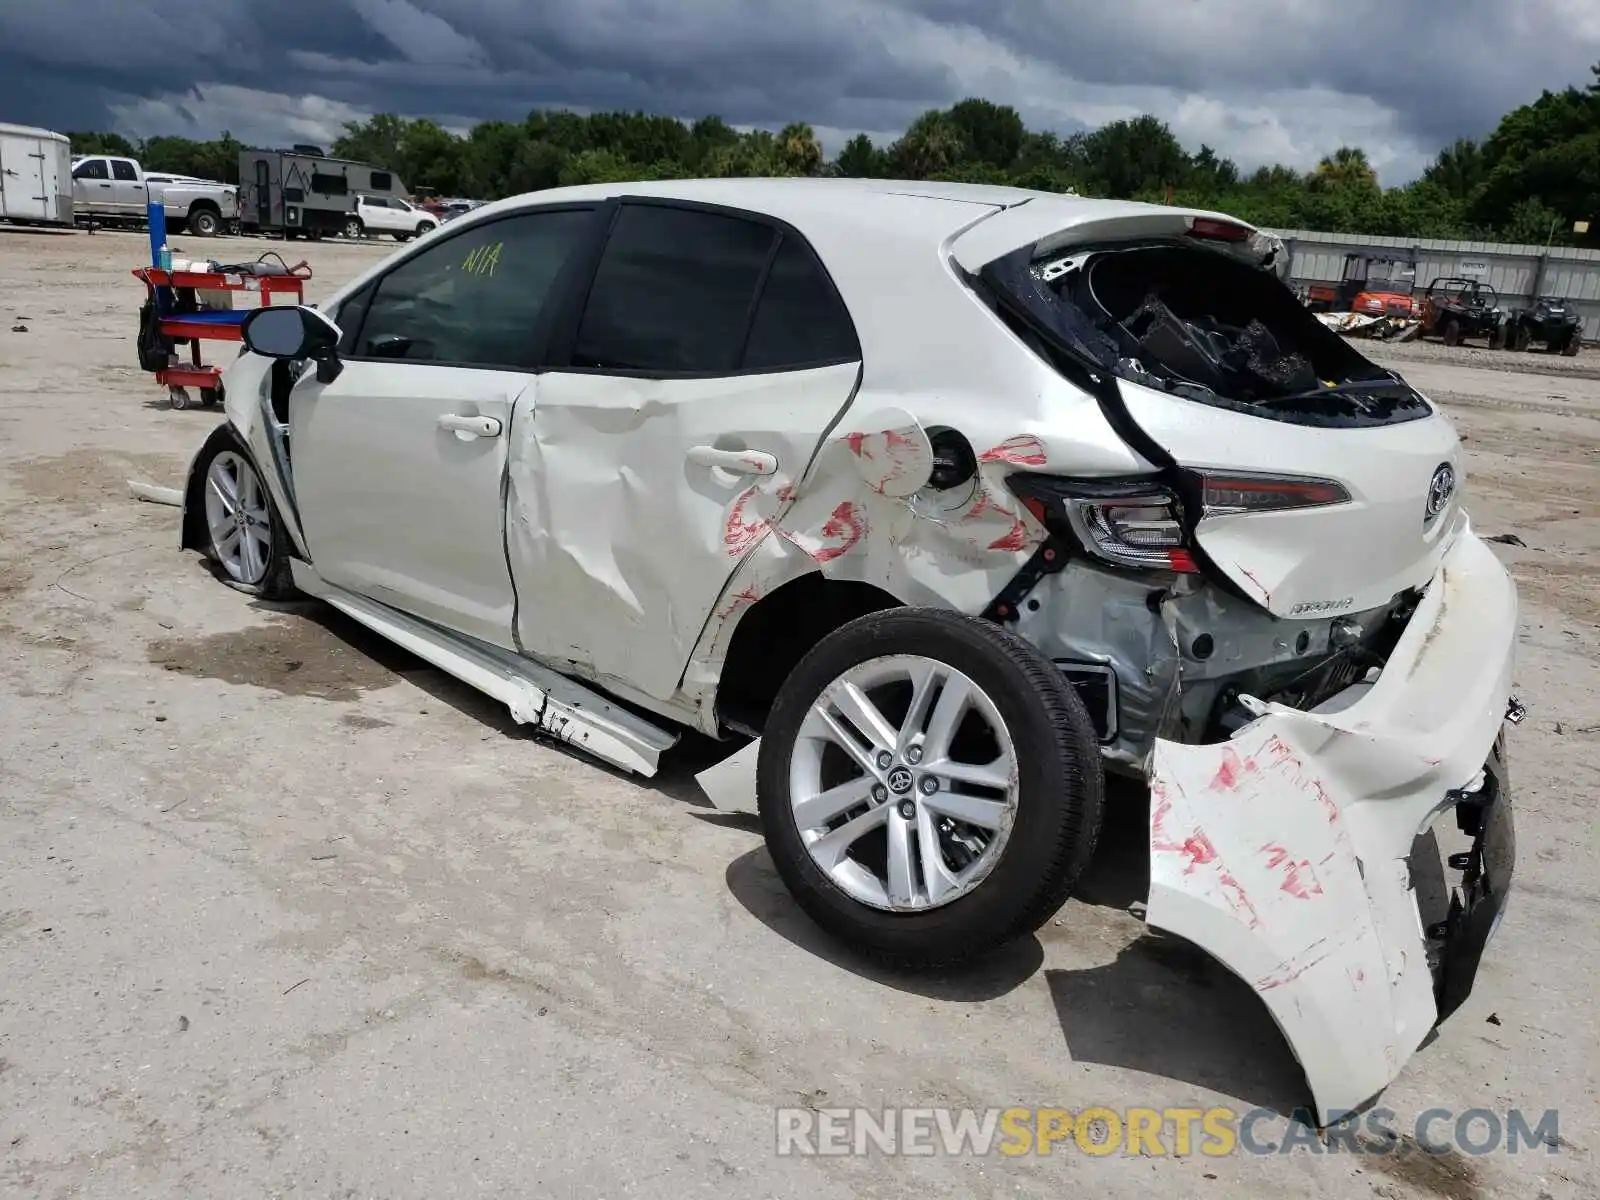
[(937, 502)]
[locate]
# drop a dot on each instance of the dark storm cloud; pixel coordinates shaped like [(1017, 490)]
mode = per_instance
[(1446, 71), (1403, 73)]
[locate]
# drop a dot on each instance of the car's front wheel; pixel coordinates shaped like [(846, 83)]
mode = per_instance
[(243, 534), (929, 786)]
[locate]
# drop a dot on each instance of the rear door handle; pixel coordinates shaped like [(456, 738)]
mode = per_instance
[(469, 427), (737, 462)]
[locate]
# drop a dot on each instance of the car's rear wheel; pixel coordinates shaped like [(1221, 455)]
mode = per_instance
[(204, 223), (929, 786), (1452, 332), (243, 535), (1520, 337), (353, 228), (1570, 348)]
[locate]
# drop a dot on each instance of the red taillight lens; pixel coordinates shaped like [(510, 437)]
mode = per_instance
[(1219, 231), (1227, 495), (1135, 524)]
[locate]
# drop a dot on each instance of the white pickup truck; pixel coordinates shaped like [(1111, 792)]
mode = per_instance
[(108, 190)]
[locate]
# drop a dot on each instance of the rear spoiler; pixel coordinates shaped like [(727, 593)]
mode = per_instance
[(1050, 223)]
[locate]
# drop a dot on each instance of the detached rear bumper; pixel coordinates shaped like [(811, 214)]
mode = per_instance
[(1283, 852)]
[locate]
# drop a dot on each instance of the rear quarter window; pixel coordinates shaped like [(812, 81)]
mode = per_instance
[(800, 320), (674, 292)]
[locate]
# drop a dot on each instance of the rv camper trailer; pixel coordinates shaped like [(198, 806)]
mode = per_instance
[(302, 194), (35, 176)]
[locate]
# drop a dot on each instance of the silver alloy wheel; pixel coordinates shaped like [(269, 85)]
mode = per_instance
[(237, 516), (945, 822)]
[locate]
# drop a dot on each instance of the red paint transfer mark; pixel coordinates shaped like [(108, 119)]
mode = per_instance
[(1016, 539), (1233, 892), (1200, 852), (738, 535), (1299, 880), (1266, 592), (857, 443), (1233, 768), (847, 527), (1326, 801), (739, 600), (1197, 847), (1289, 971), (1024, 450)]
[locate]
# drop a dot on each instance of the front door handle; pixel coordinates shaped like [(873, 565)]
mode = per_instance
[(737, 462), (467, 428)]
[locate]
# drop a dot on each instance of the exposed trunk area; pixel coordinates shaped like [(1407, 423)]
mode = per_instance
[(1206, 326)]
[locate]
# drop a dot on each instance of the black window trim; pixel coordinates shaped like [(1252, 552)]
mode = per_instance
[(559, 356), (561, 291)]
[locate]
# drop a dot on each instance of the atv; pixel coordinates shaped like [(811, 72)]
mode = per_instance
[(1454, 309), (1550, 321)]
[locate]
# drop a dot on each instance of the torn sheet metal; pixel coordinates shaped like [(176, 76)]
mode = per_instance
[(1283, 852)]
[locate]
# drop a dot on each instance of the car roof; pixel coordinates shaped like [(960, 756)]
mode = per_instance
[(895, 248)]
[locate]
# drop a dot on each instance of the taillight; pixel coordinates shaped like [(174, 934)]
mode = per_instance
[(1135, 531), (1131, 524), (1218, 231), (1226, 495)]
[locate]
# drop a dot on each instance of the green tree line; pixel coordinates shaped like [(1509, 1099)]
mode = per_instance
[(1528, 181)]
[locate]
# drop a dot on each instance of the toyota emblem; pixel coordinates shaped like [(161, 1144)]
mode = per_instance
[(899, 781), (1440, 489)]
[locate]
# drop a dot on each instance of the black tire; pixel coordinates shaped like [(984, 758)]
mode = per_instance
[(1520, 337), (203, 222), (1570, 348), (1452, 332), (401, 237), (354, 229), (209, 397), (424, 227), (1059, 801), (277, 583)]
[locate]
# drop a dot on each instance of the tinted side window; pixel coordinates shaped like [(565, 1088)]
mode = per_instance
[(348, 318), (800, 319), (473, 299), (95, 168), (673, 292), (381, 181), (329, 185), (124, 170)]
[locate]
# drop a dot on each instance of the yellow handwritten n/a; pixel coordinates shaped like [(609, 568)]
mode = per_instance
[(482, 260)]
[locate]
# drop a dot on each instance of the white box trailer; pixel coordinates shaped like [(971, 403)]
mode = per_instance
[(35, 176)]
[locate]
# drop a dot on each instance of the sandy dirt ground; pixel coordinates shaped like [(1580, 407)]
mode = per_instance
[(285, 912)]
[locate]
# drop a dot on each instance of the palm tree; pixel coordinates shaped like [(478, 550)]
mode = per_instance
[(1346, 167)]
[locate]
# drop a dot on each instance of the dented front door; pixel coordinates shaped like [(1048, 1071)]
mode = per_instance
[(632, 501)]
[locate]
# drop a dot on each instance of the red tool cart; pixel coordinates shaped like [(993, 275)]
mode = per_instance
[(178, 311)]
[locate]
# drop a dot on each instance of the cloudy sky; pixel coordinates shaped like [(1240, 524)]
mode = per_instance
[(1281, 82)]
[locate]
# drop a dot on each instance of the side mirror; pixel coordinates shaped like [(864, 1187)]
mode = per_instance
[(299, 332)]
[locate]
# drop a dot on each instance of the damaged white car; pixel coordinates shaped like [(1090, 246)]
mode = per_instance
[(937, 501)]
